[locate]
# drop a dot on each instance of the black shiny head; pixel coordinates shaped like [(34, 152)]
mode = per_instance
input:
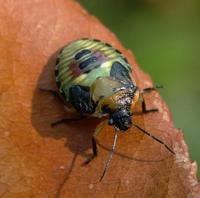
[(121, 119)]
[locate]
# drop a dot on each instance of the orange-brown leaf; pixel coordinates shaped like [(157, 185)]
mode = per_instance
[(37, 160)]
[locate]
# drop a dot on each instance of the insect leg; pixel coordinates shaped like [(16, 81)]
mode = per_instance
[(147, 90), (51, 91), (145, 110), (94, 150), (67, 120), (56, 94), (94, 145)]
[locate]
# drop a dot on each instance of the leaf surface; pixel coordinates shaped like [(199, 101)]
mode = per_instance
[(37, 160)]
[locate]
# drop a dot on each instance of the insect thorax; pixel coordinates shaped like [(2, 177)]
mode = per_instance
[(110, 95)]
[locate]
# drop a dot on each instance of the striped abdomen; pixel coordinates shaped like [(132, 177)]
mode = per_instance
[(83, 61)]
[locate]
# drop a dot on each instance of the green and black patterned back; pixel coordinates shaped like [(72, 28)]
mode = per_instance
[(82, 61)]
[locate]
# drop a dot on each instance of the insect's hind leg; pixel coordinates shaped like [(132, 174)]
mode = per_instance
[(147, 90), (64, 120), (51, 91)]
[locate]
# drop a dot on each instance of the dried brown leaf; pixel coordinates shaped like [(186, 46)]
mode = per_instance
[(37, 160)]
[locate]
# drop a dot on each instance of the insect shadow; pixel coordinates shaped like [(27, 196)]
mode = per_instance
[(46, 109)]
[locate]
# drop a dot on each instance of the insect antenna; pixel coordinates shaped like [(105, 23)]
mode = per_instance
[(110, 155), (155, 138)]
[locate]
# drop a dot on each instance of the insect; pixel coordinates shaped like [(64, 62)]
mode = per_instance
[(95, 79)]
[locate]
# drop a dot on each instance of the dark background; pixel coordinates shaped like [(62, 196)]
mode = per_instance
[(165, 38)]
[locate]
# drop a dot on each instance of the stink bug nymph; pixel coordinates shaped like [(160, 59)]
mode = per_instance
[(95, 79)]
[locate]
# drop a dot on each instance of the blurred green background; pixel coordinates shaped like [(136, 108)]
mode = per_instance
[(165, 38)]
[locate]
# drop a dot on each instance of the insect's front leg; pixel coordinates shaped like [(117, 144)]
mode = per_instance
[(94, 144), (144, 108), (64, 120), (147, 90)]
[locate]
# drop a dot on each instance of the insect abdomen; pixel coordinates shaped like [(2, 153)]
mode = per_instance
[(83, 61)]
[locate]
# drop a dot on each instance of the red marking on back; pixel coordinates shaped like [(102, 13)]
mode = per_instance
[(100, 56), (74, 67)]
